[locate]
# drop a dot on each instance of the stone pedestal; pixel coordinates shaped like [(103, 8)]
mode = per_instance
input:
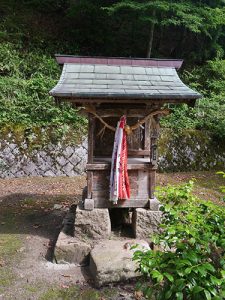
[(145, 223), (111, 260), (72, 250), (94, 224)]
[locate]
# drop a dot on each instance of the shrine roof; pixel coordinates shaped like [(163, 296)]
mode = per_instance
[(117, 78)]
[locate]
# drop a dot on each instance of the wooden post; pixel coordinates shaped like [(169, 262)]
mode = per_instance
[(91, 124), (147, 135), (152, 177)]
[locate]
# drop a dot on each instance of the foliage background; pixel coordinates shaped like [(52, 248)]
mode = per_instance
[(32, 31)]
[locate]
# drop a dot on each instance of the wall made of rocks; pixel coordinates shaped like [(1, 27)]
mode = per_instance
[(16, 160), (190, 150), (184, 151)]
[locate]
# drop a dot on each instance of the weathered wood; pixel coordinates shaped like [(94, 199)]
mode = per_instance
[(152, 177), (104, 138), (136, 153), (107, 166), (147, 136), (134, 100), (105, 195), (136, 113), (89, 184), (105, 203), (98, 166), (143, 183), (91, 127)]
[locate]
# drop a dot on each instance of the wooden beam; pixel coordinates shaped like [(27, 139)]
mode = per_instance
[(107, 166), (118, 112), (135, 203), (136, 153), (128, 101)]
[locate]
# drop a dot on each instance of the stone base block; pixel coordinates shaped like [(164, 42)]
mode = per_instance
[(154, 204), (111, 261), (72, 250), (89, 204), (94, 224), (146, 223)]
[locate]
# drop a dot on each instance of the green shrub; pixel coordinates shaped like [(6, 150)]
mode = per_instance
[(25, 82), (208, 113), (223, 186), (191, 262)]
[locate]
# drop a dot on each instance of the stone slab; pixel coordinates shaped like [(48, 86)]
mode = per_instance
[(94, 224), (146, 223), (71, 250), (111, 260)]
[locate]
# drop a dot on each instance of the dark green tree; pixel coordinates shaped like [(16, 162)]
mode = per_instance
[(206, 18)]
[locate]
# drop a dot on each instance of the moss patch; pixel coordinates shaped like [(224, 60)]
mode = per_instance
[(188, 150)]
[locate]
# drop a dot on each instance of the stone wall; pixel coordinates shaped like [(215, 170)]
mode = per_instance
[(52, 160), (186, 151), (190, 150)]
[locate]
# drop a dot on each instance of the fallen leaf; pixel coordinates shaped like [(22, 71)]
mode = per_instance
[(2, 263), (36, 226), (138, 295), (64, 275), (65, 286)]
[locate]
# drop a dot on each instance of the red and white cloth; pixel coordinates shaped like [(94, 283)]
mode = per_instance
[(119, 181)]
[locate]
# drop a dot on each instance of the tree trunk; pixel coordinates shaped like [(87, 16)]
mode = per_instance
[(151, 36)]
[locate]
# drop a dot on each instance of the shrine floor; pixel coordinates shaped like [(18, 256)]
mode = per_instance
[(31, 213)]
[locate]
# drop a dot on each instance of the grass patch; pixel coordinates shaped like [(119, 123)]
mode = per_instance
[(58, 294), (6, 278), (74, 292), (9, 244)]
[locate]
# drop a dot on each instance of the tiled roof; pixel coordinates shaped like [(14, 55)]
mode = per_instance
[(121, 82)]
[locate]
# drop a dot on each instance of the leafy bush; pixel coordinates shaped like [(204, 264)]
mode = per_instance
[(191, 262), (222, 187), (208, 113), (25, 81)]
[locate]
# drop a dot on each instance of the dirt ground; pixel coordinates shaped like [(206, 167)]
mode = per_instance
[(31, 214)]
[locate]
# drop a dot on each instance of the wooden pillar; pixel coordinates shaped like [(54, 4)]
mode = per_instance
[(91, 125), (154, 133), (152, 178)]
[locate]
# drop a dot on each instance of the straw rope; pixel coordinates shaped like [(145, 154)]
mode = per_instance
[(128, 129)]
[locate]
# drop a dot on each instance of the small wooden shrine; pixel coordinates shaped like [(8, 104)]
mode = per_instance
[(106, 89)]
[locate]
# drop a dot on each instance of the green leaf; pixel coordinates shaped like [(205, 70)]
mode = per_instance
[(168, 294), (157, 275), (169, 277), (209, 267), (187, 271), (223, 273), (197, 289), (208, 295), (179, 296)]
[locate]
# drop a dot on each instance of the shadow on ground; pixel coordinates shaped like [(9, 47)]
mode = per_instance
[(32, 214)]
